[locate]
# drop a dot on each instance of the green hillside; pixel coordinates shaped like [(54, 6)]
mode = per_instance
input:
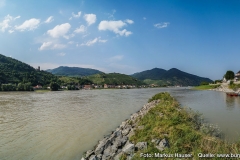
[(171, 77), (114, 79), (73, 71), (14, 71), (154, 74)]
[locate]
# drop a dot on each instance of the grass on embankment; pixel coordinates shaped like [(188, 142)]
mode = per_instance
[(181, 127), (205, 87)]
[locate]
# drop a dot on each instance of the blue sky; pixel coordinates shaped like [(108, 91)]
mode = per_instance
[(125, 36)]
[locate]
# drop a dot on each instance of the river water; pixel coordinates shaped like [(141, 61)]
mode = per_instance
[(62, 125)]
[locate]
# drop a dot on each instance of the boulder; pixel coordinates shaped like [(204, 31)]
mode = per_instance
[(102, 145), (128, 148), (131, 133), (141, 146), (93, 157), (107, 153), (120, 141), (89, 153), (118, 156), (99, 156), (163, 144), (125, 131)]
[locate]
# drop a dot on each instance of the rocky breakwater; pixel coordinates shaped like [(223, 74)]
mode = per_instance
[(117, 144)]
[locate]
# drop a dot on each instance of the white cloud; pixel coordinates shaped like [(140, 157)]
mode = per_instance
[(5, 24), (59, 30), (17, 17), (30, 24), (111, 15), (61, 54), (76, 15), (81, 29), (129, 21), (115, 27), (102, 40), (51, 46), (116, 58), (10, 31), (91, 42), (70, 42), (90, 18), (161, 25), (49, 19)]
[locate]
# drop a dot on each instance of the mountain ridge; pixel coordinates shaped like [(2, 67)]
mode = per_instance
[(172, 76), (73, 71)]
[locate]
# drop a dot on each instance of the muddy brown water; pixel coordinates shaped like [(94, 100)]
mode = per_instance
[(62, 125)]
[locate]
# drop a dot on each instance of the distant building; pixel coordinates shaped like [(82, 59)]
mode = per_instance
[(87, 86), (38, 69), (237, 76), (37, 87), (105, 86)]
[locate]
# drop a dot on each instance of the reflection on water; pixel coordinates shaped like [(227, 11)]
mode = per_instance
[(62, 125), (232, 102)]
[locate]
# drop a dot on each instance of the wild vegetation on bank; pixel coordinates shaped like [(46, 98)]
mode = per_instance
[(184, 130), (206, 87)]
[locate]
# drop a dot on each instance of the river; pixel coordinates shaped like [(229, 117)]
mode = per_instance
[(62, 125)]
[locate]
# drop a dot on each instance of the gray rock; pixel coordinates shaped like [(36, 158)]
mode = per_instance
[(89, 153), (124, 139), (104, 157), (118, 156), (128, 148), (118, 133), (101, 146), (123, 124), (163, 144), (156, 141), (118, 141), (99, 156), (141, 146), (131, 133), (125, 131), (114, 149), (93, 157), (83, 158), (129, 157), (107, 153)]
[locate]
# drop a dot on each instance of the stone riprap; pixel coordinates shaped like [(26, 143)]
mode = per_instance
[(117, 143)]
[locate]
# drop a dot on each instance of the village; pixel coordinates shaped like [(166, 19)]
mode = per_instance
[(94, 86)]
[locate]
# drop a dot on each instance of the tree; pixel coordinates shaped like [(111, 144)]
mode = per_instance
[(204, 83), (229, 75), (20, 87), (54, 86)]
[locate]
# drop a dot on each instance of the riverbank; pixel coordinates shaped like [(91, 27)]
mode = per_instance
[(164, 128), (223, 87), (206, 87)]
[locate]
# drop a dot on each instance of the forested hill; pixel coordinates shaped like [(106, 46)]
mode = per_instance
[(154, 74), (171, 77), (14, 71), (73, 71), (114, 79)]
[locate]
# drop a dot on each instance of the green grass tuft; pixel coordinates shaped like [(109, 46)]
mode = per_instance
[(183, 129)]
